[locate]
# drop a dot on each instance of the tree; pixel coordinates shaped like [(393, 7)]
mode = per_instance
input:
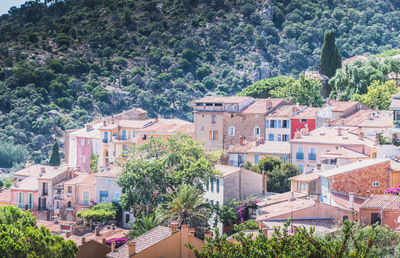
[(55, 159), (187, 206), (278, 173), (260, 42), (247, 225), (144, 223), (158, 166), (378, 95), (351, 240), (21, 237), (331, 58), (305, 90), (101, 212), (93, 163), (262, 88)]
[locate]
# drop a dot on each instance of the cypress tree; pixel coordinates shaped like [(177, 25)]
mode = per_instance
[(55, 159), (330, 60)]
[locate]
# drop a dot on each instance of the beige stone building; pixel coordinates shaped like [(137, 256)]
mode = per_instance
[(221, 121)]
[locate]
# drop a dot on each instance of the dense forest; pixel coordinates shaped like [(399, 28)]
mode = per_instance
[(64, 62)]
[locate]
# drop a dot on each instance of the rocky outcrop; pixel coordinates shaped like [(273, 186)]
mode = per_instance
[(262, 72)]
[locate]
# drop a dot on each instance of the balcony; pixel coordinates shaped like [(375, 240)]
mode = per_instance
[(300, 156), (311, 156)]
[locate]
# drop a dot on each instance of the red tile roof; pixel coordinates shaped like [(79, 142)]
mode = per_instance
[(385, 202), (262, 106), (286, 111), (219, 99), (242, 148), (309, 113), (341, 106), (5, 197), (342, 200), (169, 126)]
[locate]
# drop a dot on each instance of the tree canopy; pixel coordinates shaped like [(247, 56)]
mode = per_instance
[(159, 166), (379, 95), (20, 237), (55, 159), (100, 213)]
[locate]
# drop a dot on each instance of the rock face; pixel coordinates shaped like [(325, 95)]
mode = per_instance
[(267, 12), (262, 72)]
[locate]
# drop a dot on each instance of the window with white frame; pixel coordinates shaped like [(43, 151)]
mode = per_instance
[(109, 181), (85, 198), (231, 131), (214, 135), (257, 132), (376, 184), (83, 142)]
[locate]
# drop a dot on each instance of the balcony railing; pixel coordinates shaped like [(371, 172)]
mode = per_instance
[(299, 155), (311, 156)]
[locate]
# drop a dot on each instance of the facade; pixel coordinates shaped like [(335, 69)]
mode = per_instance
[(306, 183), (306, 150), (238, 155), (278, 122), (234, 183), (395, 108), (221, 121), (279, 150), (305, 120), (164, 128), (381, 209)]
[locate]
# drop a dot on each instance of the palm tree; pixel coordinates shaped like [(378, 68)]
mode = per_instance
[(144, 223), (187, 206)]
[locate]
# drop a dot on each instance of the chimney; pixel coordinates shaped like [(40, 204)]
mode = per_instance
[(368, 193), (131, 248), (191, 231), (67, 234), (351, 200), (257, 142), (339, 131), (241, 140), (173, 226), (83, 240), (113, 246), (112, 120), (319, 166), (297, 105), (103, 241), (15, 181), (42, 171)]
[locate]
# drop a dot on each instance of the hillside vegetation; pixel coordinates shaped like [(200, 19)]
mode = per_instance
[(63, 62)]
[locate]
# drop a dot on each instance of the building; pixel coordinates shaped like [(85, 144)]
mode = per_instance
[(160, 242), (221, 121), (106, 189), (381, 209), (117, 137), (395, 107), (234, 183), (164, 128), (279, 150), (306, 183), (340, 156), (306, 150), (362, 178), (277, 122), (304, 121), (238, 155)]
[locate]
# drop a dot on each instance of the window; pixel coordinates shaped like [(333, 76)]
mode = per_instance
[(69, 205), (299, 154), (231, 131), (85, 198), (267, 123), (125, 147), (304, 186), (212, 202), (285, 123), (298, 186), (105, 140), (271, 137), (256, 159), (45, 188), (29, 201), (133, 133), (303, 120), (235, 107), (272, 123), (375, 184), (20, 200), (103, 196), (212, 186), (57, 204), (83, 142), (127, 218), (228, 107), (202, 128), (279, 137), (285, 138), (257, 132), (123, 134), (208, 186), (311, 155), (279, 123), (301, 168), (69, 189), (117, 196), (109, 181), (217, 183), (213, 119), (285, 159), (213, 135), (83, 159)]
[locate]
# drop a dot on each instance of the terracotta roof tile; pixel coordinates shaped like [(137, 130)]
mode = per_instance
[(309, 113), (305, 177), (169, 126), (385, 202), (271, 148), (144, 241), (283, 197), (262, 106), (354, 166), (226, 170), (342, 200), (218, 99), (286, 111), (111, 171), (28, 184), (104, 234), (342, 106), (136, 124), (366, 118), (343, 153), (5, 197), (242, 148)]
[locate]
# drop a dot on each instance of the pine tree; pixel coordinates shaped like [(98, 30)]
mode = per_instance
[(93, 162), (55, 159), (331, 59)]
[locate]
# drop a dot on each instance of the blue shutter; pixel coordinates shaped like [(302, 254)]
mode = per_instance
[(279, 137), (267, 123), (256, 159), (217, 182), (279, 123)]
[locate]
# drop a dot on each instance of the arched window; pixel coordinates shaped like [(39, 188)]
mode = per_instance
[(228, 107), (231, 130), (257, 132), (235, 108), (123, 135)]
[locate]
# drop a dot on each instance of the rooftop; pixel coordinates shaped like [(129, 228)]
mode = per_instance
[(305, 177), (28, 184), (111, 171), (310, 112), (144, 241), (343, 153), (333, 136), (219, 99), (56, 171), (94, 133), (353, 166), (385, 202), (342, 200), (83, 178), (5, 197), (105, 233), (283, 197), (33, 170), (271, 211), (226, 170), (322, 226), (366, 118), (272, 148), (342, 106), (395, 104), (242, 148), (169, 126), (262, 106), (136, 124), (286, 111)]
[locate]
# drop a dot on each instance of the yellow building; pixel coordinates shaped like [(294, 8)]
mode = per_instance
[(305, 183), (279, 150)]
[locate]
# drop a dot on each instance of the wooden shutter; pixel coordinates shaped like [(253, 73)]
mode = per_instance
[(216, 135), (210, 135)]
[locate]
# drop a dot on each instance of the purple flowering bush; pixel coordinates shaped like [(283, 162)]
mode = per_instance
[(118, 241), (393, 191), (243, 210)]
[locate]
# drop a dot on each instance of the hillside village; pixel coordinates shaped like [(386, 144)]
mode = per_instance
[(346, 153)]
